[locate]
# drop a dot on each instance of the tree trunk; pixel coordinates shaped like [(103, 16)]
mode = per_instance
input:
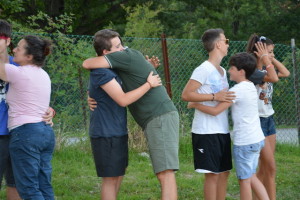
[(54, 8)]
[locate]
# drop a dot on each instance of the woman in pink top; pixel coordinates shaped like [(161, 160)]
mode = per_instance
[(32, 140)]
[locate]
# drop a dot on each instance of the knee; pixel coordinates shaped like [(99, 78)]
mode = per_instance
[(164, 175), (211, 178), (271, 169)]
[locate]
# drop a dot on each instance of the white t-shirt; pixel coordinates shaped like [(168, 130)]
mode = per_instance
[(28, 96), (265, 92), (211, 82), (244, 111)]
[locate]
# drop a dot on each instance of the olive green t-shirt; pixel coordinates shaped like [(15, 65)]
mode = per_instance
[(133, 69)]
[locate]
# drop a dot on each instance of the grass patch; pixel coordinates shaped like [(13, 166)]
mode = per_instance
[(74, 175)]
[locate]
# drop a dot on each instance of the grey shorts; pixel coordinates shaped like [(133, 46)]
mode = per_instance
[(162, 135)]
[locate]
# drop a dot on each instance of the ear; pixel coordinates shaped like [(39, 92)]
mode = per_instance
[(8, 41), (242, 72), (105, 52), (217, 45), (29, 57)]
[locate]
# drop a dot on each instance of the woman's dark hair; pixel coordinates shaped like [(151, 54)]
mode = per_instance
[(209, 38), (6, 30), (254, 38), (102, 40), (245, 61), (38, 48)]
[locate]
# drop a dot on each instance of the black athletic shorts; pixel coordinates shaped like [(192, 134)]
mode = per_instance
[(212, 152), (110, 155)]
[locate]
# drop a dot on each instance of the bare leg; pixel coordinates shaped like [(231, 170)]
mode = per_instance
[(245, 189), (167, 181), (110, 187), (120, 178), (258, 188), (210, 186), (222, 185), (267, 166), (12, 193)]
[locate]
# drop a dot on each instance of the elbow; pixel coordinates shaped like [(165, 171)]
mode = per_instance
[(184, 97), (122, 104), (85, 65), (214, 114), (274, 79)]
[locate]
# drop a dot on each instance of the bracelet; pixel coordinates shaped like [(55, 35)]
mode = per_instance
[(263, 56), (149, 84), (213, 96), (269, 65)]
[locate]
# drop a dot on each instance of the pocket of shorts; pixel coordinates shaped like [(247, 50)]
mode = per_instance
[(254, 148), (155, 123)]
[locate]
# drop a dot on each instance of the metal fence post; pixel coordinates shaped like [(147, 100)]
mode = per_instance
[(166, 64), (296, 85)]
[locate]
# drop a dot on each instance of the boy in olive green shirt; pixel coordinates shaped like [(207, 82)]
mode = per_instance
[(154, 112)]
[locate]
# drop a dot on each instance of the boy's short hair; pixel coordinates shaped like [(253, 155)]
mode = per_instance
[(209, 38), (5, 28), (244, 61), (102, 40)]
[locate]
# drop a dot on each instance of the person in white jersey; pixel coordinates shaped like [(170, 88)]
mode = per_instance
[(210, 134), (248, 137)]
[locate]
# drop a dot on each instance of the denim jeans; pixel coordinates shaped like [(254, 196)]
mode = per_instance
[(31, 148), (5, 163)]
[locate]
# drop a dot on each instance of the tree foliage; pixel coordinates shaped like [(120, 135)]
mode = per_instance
[(277, 19), (142, 22)]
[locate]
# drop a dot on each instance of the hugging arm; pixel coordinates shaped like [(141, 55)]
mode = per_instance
[(95, 62), (48, 116), (190, 93), (209, 109), (114, 90)]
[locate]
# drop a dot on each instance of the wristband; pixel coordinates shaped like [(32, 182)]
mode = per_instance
[(213, 96), (149, 84), (263, 56)]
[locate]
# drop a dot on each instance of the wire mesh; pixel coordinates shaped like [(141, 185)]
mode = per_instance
[(69, 79)]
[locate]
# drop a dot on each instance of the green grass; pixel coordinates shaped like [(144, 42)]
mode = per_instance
[(74, 175)]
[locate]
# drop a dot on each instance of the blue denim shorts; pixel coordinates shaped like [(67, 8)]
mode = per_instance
[(246, 159), (268, 125), (5, 162)]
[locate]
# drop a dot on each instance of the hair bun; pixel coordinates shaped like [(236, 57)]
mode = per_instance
[(47, 47)]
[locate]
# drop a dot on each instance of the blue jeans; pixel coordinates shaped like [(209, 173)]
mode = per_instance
[(268, 125), (5, 163), (31, 148)]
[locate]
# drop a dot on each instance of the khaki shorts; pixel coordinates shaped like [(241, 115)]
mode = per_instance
[(162, 135)]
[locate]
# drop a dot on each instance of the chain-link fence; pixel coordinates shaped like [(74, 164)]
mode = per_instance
[(69, 79)]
